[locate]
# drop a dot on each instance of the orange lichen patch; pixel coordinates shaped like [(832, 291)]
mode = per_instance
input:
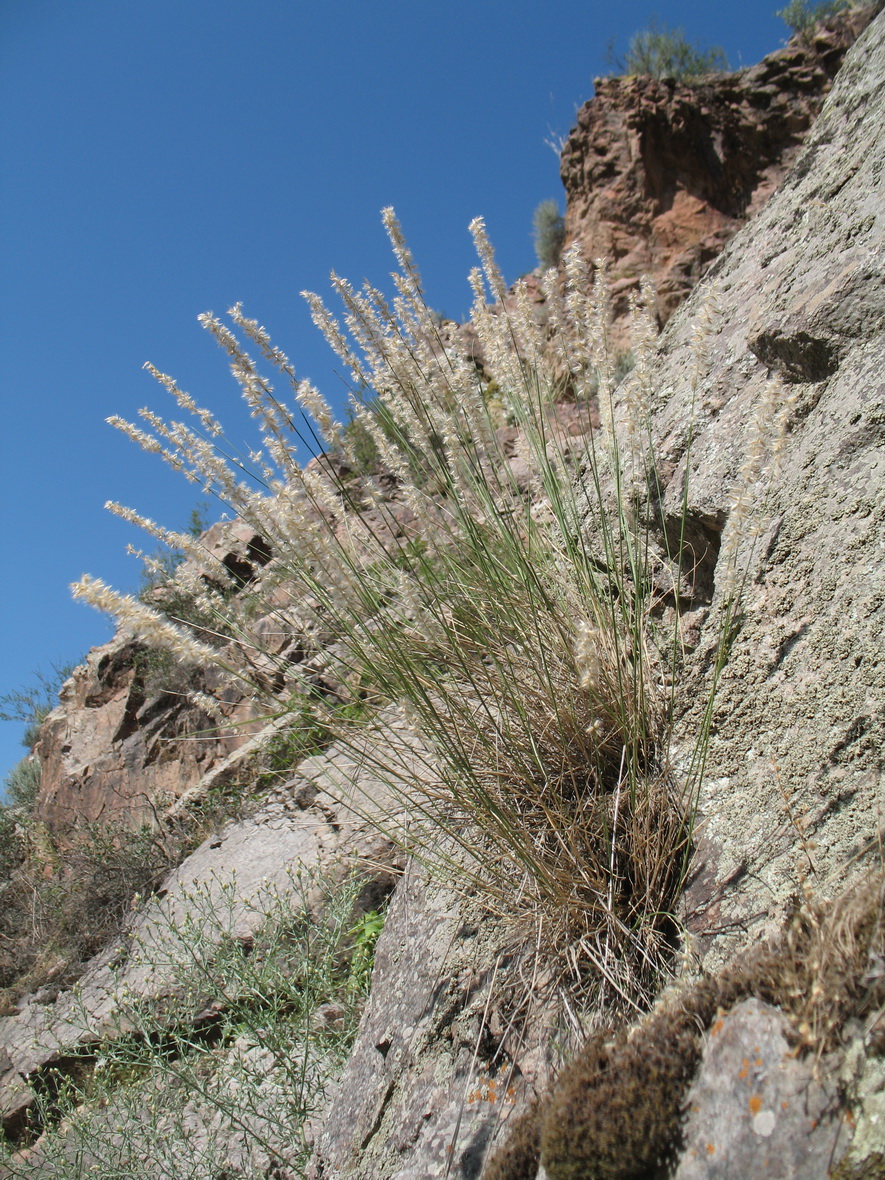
[(486, 1090), (617, 1108), (784, 1104)]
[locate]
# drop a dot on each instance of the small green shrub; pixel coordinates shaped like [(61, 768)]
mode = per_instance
[(362, 448), (33, 704), (158, 671), (362, 957), (625, 362), (23, 783), (221, 1082), (801, 16), (11, 848), (312, 724), (665, 53), (549, 231), (307, 735)]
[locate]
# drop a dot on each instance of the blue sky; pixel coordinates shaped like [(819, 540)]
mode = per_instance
[(166, 157)]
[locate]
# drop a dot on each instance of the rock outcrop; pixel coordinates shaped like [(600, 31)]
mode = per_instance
[(659, 175), (117, 744), (126, 740), (455, 1043), (794, 770)]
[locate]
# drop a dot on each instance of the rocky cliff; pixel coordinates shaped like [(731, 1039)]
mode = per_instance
[(765, 1056), (793, 791), (659, 175)]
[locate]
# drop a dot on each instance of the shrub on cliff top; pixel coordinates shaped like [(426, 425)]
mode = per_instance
[(801, 16), (549, 227), (665, 53)]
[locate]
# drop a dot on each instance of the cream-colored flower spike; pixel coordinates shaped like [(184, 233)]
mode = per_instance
[(145, 622)]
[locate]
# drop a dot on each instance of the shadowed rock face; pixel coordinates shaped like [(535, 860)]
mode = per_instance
[(660, 174)]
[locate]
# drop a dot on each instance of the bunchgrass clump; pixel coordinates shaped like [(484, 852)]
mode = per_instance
[(513, 627)]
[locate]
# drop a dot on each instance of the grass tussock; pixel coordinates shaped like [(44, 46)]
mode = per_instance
[(512, 619)]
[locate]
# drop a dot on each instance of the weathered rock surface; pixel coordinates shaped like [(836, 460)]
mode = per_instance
[(795, 752), (659, 175), (441, 1062), (113, 747), (321, 819), (757, 1109)]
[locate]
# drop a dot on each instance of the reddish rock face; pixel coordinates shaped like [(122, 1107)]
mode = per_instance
[(119, 745), (660, 174)]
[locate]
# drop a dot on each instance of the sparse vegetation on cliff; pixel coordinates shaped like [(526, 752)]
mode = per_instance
[(549, 226), (222, 1080), (33, 704), (801, 16), (65, 894), (517, 630), (665, 53)]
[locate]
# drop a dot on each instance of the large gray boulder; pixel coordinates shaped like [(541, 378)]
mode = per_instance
[(794, 777)]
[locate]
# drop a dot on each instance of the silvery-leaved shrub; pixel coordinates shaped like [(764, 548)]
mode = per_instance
[(549, 232)]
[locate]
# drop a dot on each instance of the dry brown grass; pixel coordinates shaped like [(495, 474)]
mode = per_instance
[(615, 1112)]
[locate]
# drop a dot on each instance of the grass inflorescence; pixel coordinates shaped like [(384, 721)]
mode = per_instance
[(505, 604)]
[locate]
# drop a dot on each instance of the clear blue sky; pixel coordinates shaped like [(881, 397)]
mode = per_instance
[(165, 157)]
